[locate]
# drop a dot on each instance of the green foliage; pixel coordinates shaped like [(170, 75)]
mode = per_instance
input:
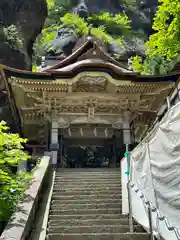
[(163, 47), (50, 3), (111, 28), (118, 21), (137, 64), (47, 35), (166, 41), (12, 37), (56, 9), (154, 65), (12, 186), (57, 3), (130, 3), (81, 26), (34, 68)]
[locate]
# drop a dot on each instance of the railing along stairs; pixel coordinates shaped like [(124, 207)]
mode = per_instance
[(150, 208), (171, 100)]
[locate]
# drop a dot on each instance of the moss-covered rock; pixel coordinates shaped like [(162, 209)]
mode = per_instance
[(140, 13), (28, 17)]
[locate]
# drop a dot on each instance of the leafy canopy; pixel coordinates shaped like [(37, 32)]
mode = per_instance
[(12, 185), (102, 32), (166, 41), (163, 46), (50, 3)]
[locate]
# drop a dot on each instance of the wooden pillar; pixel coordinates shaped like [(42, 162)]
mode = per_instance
[(126, 133), (61, 148), (113, 163), (54, 143), (127, 130), (117, 142)]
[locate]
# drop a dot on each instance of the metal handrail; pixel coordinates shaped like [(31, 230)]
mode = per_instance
[(154, 209), (129, 190)]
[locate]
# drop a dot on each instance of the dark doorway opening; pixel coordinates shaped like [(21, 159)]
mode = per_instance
[(90, 153)]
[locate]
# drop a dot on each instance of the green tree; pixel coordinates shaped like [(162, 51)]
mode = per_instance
[(108, 21), (163, 46), (153, 65), (12, 186), (165, 42), (50, 3)]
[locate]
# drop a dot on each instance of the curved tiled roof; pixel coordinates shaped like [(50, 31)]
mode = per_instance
[(115, 71), (88, 62)]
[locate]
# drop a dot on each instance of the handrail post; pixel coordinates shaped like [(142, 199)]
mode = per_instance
[(168, 102), (150, 222), (127, 154)]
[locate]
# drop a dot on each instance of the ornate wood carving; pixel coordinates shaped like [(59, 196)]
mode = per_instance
[(91, 84), (90, 113), (93, 97)]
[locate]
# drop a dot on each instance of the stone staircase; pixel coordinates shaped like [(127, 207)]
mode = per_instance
[(86, 204)]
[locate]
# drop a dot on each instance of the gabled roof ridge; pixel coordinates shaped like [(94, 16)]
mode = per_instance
[(111, 58), (74, 54)]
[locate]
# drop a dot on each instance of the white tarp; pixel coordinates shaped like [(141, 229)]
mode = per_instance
[(156, 171)]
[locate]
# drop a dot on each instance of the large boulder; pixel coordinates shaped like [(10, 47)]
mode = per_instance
[(28, 16), (140, 12)]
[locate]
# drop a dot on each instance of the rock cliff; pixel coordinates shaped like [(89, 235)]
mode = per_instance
[(28, 16), (140, 12)]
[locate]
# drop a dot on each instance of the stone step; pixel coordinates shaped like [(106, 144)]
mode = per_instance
[(92, 229), (98, 236), (87, 188), (87, 201), (85, 211), (87, 185), (57, 196), (88, 170), (88, 175), (85, 171), (84, 192), (96, 176), (77, 216), (76, 183), (87, 222), (85, 206), (88, 180)]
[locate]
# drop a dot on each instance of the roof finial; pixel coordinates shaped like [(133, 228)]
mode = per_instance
[(89, 30), (89, 35), (43, 61)]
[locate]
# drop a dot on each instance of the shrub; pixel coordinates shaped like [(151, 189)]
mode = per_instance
[(12, 185)]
